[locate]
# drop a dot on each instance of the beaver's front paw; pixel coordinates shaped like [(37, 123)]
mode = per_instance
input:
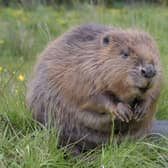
[(140, 110), (123, 112)]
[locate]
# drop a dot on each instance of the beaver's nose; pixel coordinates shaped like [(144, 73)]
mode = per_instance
[(148, 71)]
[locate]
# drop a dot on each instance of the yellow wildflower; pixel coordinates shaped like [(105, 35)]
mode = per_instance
[(18, 13), (115, 11), (1, 41), (62, 22), (21, 77), (1, 68), (24, 18), (16, 91)]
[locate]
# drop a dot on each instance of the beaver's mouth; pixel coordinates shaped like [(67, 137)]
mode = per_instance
[(145, 88)]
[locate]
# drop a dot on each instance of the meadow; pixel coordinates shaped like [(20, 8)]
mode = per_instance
[(23, 35)]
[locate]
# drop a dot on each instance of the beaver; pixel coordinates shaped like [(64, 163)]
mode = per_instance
[(95, 76)]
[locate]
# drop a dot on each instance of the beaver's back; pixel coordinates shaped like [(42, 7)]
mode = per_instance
[(58, 69), (86, 33)]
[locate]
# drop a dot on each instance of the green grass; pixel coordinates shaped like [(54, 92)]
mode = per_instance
[(23, 35)]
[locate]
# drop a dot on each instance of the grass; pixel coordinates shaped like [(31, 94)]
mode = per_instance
[(23, 35)]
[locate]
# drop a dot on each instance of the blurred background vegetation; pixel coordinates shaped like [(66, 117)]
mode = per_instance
[(33, 3)]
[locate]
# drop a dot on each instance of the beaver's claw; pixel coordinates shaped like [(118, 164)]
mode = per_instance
[(140, 110), (123, 112)]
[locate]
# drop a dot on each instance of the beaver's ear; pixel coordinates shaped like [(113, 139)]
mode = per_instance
[(106, 39)]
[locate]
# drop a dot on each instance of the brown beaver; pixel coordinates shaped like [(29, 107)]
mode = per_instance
[(94, 75)]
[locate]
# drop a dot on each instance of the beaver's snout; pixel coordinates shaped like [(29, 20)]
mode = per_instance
[(148, 71)]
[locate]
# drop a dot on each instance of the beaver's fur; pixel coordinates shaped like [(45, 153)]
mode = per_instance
[(92, 75)]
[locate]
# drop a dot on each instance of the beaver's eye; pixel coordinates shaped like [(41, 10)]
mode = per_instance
[(106, 40), (124, 54)]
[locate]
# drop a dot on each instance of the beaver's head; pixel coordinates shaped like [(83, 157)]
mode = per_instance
[(130, 63)]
